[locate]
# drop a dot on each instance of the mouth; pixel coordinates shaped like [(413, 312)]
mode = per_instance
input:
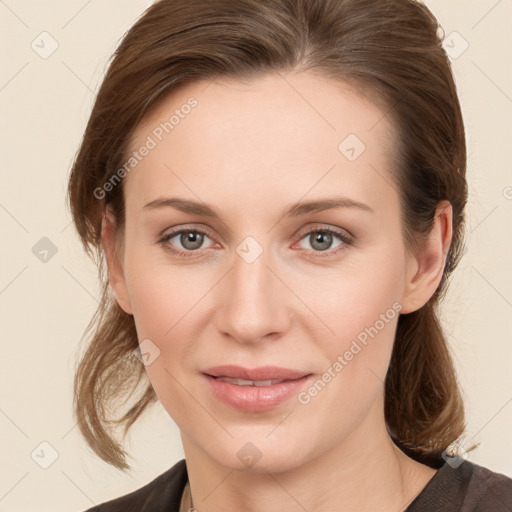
[(255, 394), (260, 374), (245, 382)]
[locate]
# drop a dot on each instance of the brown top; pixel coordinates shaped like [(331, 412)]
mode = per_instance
[(464, 487)]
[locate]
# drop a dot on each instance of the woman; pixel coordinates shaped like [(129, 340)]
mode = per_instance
[(279, 192)]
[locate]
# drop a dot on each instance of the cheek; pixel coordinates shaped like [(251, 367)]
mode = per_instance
[(361, 310), (356, 357), (168, 309), (163, 295), (361, 295), (163, 300)]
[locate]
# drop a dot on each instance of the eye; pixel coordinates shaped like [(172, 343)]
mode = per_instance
[(190, 240), (321, 241)]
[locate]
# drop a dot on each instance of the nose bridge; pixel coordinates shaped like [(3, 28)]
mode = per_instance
[(255, 305)]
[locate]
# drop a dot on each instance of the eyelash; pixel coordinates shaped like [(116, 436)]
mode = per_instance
[(347, 241)]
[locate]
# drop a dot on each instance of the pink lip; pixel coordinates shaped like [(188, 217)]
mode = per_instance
[(260, 373), (256, 398)]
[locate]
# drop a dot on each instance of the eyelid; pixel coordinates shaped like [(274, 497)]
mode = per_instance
[(180, 228), (318, 226)]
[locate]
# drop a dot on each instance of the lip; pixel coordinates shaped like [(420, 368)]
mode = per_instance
[(255, 398), (260, 373)]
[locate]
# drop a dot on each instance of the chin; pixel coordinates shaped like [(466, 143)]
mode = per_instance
[(258, 457)]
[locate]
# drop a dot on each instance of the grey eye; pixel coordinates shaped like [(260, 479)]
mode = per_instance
[(320, 240), (191, 240)]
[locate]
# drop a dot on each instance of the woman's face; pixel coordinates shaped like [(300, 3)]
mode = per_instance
[(254, 279)]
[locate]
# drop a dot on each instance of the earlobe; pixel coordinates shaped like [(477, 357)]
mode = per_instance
[(115, 270), (425, 271)]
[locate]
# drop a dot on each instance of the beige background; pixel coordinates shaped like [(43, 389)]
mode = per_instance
[(45, 307)]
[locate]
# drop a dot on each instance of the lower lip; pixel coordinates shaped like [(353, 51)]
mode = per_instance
[(255, 398)]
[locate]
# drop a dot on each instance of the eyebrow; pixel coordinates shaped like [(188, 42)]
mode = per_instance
[(294, 210)]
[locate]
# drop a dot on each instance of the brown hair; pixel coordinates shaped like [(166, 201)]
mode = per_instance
[(388, 49)]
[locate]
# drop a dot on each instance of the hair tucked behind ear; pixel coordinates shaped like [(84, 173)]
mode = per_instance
[(391, 50)]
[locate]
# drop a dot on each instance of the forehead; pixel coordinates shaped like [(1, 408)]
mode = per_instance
[(288, 133)]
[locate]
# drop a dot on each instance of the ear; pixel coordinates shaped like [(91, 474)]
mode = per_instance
[(425, 270), (115, 270)]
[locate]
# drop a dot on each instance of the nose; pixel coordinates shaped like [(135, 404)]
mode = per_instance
[(256, 301)]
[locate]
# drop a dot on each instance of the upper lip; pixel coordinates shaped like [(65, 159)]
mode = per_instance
[(259, 373)]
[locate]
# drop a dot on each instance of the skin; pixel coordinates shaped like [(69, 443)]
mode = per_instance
[(250, 151)]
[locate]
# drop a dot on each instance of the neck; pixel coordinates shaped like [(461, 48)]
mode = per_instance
[(365, 472)]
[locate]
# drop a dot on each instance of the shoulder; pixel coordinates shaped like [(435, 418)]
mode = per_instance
[(487, 490), (161, 494), (466, 487)]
